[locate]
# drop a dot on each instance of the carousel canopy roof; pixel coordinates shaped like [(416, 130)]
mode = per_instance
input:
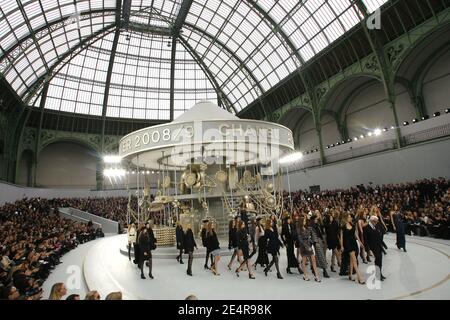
[(205, 110), (153, 59)]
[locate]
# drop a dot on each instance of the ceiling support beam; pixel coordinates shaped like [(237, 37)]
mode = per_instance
[(387, 74), (222, 97), (110, 69), (241, 64), (24, 42), (36, 86), (172, 77), (181, 17)]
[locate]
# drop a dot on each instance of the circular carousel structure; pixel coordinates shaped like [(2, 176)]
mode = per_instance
[(210, 163)]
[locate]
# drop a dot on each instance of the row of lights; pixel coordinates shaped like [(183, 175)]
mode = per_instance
[(377, 132), (426, 117)]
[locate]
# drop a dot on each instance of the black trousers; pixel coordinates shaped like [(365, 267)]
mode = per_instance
[(378, 258), (190, 260)]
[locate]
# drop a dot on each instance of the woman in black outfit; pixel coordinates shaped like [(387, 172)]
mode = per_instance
[(288, 235), (333, 243), (203, 236), (189, 245), (147, 243), (273, 244), (381, 226), (233, 241), (349, 244), (273, 219), (260, 238), (179, 239), (243, 246), (399, 227), (212, 247)]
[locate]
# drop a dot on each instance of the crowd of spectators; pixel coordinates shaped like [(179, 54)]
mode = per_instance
[(113, 208), (424, 204), (33, 237)]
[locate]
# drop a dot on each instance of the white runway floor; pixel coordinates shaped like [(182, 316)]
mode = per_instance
[(421, 273)]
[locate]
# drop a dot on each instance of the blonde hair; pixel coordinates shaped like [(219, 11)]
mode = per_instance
[(114, 296), (91, 295), (55, 291)]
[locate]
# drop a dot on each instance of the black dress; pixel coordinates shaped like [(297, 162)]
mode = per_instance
[(349, 240), (332, 231), (243, 243), (399, 230), (189, 242), (211, 241), (273, 242), (263, 258), (179, 237), (232, 238)]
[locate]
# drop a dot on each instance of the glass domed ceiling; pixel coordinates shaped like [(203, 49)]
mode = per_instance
[(229, 51)]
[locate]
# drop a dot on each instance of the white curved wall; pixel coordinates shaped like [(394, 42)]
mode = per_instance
[(66, 164), (436, 89), (428, 160)]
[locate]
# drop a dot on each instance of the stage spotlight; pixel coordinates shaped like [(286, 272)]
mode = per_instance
[(328, 146), (392, 128), (332, 145), (406, 123), (426, 117), (436, 114), (317, 150), (148, 172), (355, 139), (447, 110), (338, 144), (349, 140), (132, 172), (415, 120), (377, 132), (112, 159), (385, 130), (362, 136), (343, 142), (291, 158), (153, 172), (370, 134)]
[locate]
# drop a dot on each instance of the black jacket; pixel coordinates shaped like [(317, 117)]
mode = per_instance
[(373, 238), (179, 236), (212, 242), (242, 240), (189, 241), (288, 233), (273, 242), (144, 242)]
